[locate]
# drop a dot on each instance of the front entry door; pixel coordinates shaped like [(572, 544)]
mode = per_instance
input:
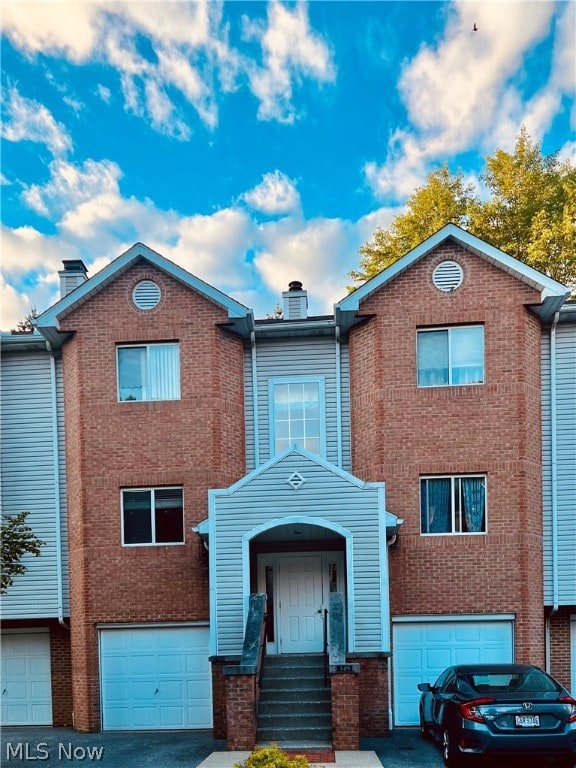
[(301, 615)]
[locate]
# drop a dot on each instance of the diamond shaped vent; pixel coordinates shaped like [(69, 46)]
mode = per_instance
[(448, 276), (146, 294), (296, 480)]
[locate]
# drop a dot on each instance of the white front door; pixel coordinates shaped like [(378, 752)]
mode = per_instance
[(300, 604)]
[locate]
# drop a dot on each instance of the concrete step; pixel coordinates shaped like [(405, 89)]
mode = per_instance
[(283, 720), (297, 735)]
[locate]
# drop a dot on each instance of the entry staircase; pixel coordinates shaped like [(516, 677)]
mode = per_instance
[(294, 709)]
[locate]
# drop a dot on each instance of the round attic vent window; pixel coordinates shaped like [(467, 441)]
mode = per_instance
[(146, 294), (448, 276)]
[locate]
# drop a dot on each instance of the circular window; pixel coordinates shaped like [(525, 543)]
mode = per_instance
[(448, 276), (146, 294)]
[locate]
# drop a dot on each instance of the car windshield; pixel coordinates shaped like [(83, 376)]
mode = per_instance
[(530, 680)]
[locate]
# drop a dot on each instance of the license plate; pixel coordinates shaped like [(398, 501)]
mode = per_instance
[(527, 721)]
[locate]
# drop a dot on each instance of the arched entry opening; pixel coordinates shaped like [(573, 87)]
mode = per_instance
[(297, 562)]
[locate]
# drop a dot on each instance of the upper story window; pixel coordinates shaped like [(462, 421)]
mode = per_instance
[(297, 414), (152, 516), (451, 356), (454, 504), (149, 372)]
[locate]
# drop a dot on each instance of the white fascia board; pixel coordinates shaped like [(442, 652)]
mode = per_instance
[(121, 264), (306, 454), (546, 285)]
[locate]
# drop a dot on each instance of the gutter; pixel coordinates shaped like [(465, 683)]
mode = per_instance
[(338, 396), (553, 490), (255, 399), (553, 461), (56, 465)]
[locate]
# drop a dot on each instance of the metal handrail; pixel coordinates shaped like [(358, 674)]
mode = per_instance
[(325, 651)]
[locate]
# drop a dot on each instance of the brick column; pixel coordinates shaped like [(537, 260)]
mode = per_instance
[(345, 711), (241, 712)]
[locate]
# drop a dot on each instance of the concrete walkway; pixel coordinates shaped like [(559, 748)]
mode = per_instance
[(343, 759)]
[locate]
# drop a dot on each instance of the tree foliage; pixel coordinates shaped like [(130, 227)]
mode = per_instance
[(26, 324), (529, 213), (18, 539)]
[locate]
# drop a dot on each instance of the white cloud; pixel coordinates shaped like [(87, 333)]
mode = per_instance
[(190, 54), (276, 194), (15, 306), (28, 120), (68, 27), (70, 185), (290, 52), (319, 253), (463, 93)]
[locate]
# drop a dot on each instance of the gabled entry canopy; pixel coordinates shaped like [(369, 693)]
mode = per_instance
[(298, 488)]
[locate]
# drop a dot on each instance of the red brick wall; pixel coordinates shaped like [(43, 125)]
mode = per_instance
[(560, 662), (373, 696), (196, 442), (219, 700), (400, 432), (345, 711), (241, 711)]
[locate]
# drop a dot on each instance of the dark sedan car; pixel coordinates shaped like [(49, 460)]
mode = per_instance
[(490, 711)]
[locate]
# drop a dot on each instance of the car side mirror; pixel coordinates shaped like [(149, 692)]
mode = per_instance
[(424, 687)]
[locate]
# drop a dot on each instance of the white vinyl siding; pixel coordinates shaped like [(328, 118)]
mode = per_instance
[(423, 649), (30, 479), (155, 678), (565, 433), (325, 496), (289, 359)]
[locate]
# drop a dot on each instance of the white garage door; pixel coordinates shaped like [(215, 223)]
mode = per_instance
[(155, 678), (26, 689), (423, 649)]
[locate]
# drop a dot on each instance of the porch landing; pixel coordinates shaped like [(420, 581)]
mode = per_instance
[(342, 759)]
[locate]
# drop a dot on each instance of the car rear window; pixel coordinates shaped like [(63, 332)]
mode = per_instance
[(532, 680)]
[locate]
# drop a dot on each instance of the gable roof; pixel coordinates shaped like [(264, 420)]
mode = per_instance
[(48, 323), (552, 293)]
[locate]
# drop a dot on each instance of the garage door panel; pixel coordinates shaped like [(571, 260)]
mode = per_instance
[(164, 681), (423, 649), (26, 679)]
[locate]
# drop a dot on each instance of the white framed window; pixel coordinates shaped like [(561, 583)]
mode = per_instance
[(450, 356), (297, 414), (453, 504), (148, 372), (152, 516)]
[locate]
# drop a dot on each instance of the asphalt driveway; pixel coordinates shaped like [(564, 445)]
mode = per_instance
[(59, 747), (171, 749)]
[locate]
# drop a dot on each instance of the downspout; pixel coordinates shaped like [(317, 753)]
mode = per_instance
[(56, 465), (390, 713), (338, 396), (553, 488), (255, 400)]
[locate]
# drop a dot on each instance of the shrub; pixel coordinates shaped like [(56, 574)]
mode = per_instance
[(273, 757)]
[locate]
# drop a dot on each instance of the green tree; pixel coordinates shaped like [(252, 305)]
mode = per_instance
[(26, 325), (444, 199), (18, 539), (529, 213)]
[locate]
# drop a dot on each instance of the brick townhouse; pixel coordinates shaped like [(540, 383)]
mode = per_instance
[(396, 478)]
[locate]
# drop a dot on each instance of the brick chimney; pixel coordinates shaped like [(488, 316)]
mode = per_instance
[(295, 302), (73, 275)]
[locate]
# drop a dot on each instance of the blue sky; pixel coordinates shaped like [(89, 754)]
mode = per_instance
[(255, 143)]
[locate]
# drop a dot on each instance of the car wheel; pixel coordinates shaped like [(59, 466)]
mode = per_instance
[(451, 758), (424, 730)]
